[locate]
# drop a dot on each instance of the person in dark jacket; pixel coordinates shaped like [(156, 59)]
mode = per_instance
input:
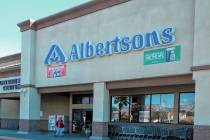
[(59, 127)]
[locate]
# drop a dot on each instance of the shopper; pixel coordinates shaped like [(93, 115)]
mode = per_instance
[(59, 127)]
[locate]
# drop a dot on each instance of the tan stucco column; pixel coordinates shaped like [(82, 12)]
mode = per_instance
[(101, 105), (29, 110), (202, 104), (29, 97), (201, 69)]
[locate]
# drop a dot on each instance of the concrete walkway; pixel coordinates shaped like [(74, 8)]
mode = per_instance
[(14, 135)]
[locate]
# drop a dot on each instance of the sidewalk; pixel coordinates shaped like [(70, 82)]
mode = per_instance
[(14, 135)]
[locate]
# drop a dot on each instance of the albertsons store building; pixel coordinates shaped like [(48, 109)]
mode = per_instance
[(113, 67)]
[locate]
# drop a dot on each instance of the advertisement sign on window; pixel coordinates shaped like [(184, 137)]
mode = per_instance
[(52, 122)]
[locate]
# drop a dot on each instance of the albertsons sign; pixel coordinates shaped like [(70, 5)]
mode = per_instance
[(87, 50)]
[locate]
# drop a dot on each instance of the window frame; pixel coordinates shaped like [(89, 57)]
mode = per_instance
[(130, 96), (173, 93), (110, 112), (150, 99), (81, 96), (179, 108)]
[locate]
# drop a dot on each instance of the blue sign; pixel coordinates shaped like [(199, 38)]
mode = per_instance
[(86, 50), (55, 55)]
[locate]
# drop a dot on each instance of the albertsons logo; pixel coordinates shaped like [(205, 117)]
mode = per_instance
[(57, 58), (55, 55)]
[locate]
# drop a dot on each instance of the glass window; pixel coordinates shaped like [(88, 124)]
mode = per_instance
[(91, 99), (120, 108), (83, 99), (77, 99), (162, 108), (156, 108), (186, 108), (140, 108)]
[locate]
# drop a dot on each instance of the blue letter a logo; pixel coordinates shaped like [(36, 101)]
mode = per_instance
[(55, 55)]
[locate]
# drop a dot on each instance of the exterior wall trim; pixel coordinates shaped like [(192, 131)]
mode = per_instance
[(9, 95), (176, 89), (70, 88), (152, 82), (72, 13), (122, 84), (10, 58), (199, 68), (11, 73), (28, 86), (26, 25), (7, 69), (10, 68)]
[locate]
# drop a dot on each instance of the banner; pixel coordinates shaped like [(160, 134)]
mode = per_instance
[(56, 71), (163, 55), (11, 84)]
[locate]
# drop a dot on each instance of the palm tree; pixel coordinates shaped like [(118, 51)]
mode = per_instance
[(121, 101)]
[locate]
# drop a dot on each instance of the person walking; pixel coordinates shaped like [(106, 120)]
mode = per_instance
[(59, 127)]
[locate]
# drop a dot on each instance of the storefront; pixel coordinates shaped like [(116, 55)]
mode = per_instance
[(117, 62), (10, 91)]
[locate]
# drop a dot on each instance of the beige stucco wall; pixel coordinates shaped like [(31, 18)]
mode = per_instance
[(201, 57), (54, 104), (128, 19), (60, 104), (27, 57), (202, 34), (10, 109), (29, 99)]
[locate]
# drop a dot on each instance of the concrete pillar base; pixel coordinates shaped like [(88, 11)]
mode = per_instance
[(99, 138), (100, 129), (201, 132), (9, 124), (100, 125), (29, 125)]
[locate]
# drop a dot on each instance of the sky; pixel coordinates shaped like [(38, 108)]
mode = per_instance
[(16, 11)]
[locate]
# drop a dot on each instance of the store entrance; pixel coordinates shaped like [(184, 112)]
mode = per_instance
[(82, 121)]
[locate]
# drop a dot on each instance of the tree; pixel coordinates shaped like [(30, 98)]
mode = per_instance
[(121, 101)]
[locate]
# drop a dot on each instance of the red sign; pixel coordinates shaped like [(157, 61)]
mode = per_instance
[(56, 71)]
